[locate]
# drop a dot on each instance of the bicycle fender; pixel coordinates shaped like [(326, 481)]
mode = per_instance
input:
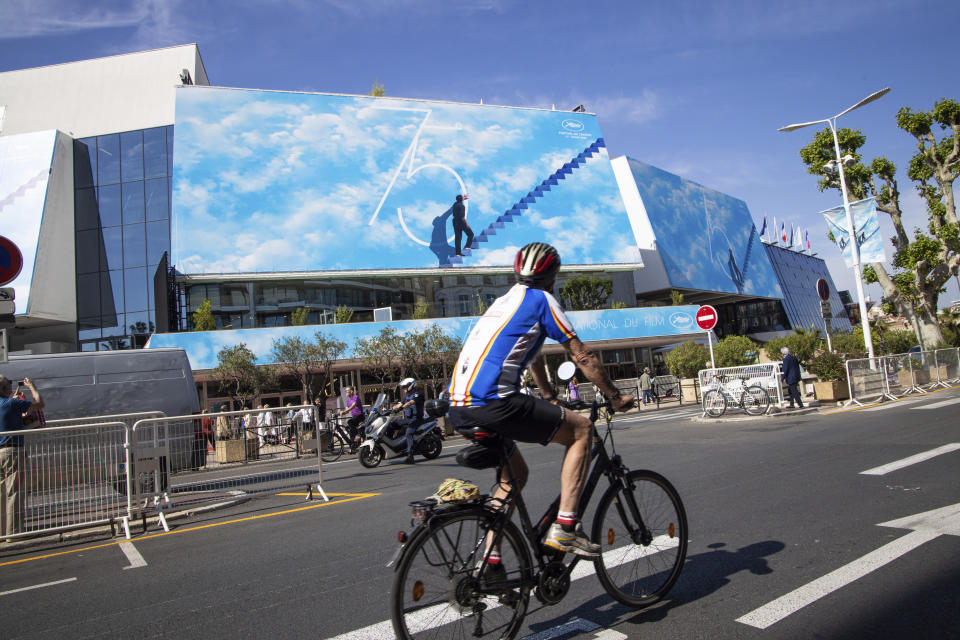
[(440, 513)]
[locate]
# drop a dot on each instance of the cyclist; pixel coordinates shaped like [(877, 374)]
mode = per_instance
[(485, 387), (354, 407)]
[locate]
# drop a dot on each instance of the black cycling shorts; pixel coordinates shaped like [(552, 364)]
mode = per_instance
[(518, 417)]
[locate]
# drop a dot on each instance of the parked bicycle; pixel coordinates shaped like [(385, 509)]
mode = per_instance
[(440, 569), (738, 392)]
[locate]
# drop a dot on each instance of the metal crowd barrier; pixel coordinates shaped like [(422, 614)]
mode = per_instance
[(69, 477), (168, 470), (767, 375), (126, 418), (871, 380)]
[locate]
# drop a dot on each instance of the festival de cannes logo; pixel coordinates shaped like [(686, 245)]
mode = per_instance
[(681, 320), (572, 125)]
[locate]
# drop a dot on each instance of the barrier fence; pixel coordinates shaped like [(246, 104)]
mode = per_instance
[(871, 380), (100, 472), (767, 375)]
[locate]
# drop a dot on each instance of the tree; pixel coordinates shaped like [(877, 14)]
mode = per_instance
[(309, 362), (421, 310), (676, 298), (583, 293), (687, 359), (921, 264), (239, 375), (377, 90), (299, 317), (803, 343), (735, 351), (203, 317), (378, 354), (343, 314), (441, 353)]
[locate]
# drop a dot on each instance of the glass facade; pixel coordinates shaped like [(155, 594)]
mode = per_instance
[(122, 214), (798, 274)]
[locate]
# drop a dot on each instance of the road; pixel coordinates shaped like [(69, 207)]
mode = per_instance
[(840, 525)]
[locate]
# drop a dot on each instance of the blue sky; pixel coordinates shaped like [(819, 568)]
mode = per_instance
[(698, 89)]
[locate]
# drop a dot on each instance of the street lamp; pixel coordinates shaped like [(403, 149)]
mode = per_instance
[(837, 165)]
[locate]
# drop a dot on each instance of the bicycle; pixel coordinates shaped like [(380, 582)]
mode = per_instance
[(752, 398), (440, 567), (339, 439)]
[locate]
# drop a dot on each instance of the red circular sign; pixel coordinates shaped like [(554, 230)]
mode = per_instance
[(11, 261), (823, 289), (706, 317)]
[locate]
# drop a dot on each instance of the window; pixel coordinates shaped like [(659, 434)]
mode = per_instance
[(155, 152), (110, 203), (131, 156), (464, 301), (132, 202), (108, 159), (156, 203), (134, 245)]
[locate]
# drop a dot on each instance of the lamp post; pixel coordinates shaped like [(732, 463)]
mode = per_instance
[(854, 246)]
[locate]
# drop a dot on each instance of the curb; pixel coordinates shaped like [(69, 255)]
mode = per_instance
[(774, 412), (116, 531)]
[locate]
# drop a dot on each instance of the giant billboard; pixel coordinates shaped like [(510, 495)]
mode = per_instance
[(706, 239), (268, 181)]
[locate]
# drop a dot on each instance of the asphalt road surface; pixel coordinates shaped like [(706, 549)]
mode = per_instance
[(840, 525)]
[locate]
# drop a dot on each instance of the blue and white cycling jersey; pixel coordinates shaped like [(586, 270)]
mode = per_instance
[(503, 342)]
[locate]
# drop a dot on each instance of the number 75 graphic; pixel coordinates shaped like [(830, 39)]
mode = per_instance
[(409, 160)]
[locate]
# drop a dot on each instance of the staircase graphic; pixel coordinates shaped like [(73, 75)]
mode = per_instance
[(518, 208), (739, 274), (22, 189)]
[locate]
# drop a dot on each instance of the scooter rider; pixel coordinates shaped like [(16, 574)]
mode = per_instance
[(412, 406)]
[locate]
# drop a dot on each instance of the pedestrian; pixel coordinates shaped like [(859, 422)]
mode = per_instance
[(646, 386), (12, 411), (791, 375), (460, 224), (574, 389), (223, 427)]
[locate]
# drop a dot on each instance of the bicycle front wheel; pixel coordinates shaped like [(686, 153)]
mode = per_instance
[(437, 592), (756, 400), (643, 534), (334, 447), (714, 403)]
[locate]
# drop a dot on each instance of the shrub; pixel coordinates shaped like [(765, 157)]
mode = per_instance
[(735, 351), (828, 366), (802, 343), (687, 359)]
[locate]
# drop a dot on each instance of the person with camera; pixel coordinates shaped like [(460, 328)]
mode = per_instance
[(12, 412)]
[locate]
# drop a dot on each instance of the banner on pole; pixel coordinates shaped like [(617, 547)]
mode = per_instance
[(867, 225)]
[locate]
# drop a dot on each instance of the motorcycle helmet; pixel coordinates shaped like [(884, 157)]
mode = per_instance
[(536, 265), (406, 383)]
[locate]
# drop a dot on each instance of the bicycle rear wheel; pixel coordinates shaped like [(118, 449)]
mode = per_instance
[(640, 562), (437, 592), (714, 403), (756, 400), (335, 449)]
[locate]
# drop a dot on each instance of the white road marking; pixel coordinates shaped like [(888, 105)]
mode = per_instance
[(906, 462), (937, 405), (610, 634), (926, 526), (429, 616), (36, 586), (133, 556)]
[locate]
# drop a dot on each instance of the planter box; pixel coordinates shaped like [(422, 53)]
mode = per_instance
[(831, 390), (236, 450), (941, 370), (688, 387), (920, 376)]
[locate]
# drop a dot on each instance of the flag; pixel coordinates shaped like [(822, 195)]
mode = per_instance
[(763, 227), (783, 232), (799, 243), (790, 244), (867, 224), (807, 238)]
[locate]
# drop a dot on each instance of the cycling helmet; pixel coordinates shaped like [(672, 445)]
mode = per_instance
[(537, 264), (407, 382)]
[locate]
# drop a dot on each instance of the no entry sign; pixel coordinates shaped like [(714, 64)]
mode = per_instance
[(706, 317), (823, 289), (11, 261)]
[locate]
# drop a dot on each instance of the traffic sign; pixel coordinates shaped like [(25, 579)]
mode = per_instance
[(11, 261), (825, 310), (823, 289), (706, 317)]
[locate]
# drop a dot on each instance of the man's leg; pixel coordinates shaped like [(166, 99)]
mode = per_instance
[(411, 429), (458, 234), (567, 534), (11, 511), (469, 235)]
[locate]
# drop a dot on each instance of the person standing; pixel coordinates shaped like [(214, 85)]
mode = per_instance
[(574, 389), (791, 375), (460, 224), (646, 386), (12, 411)]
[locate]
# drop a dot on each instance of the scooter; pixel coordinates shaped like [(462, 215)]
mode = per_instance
[(381, 442)]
